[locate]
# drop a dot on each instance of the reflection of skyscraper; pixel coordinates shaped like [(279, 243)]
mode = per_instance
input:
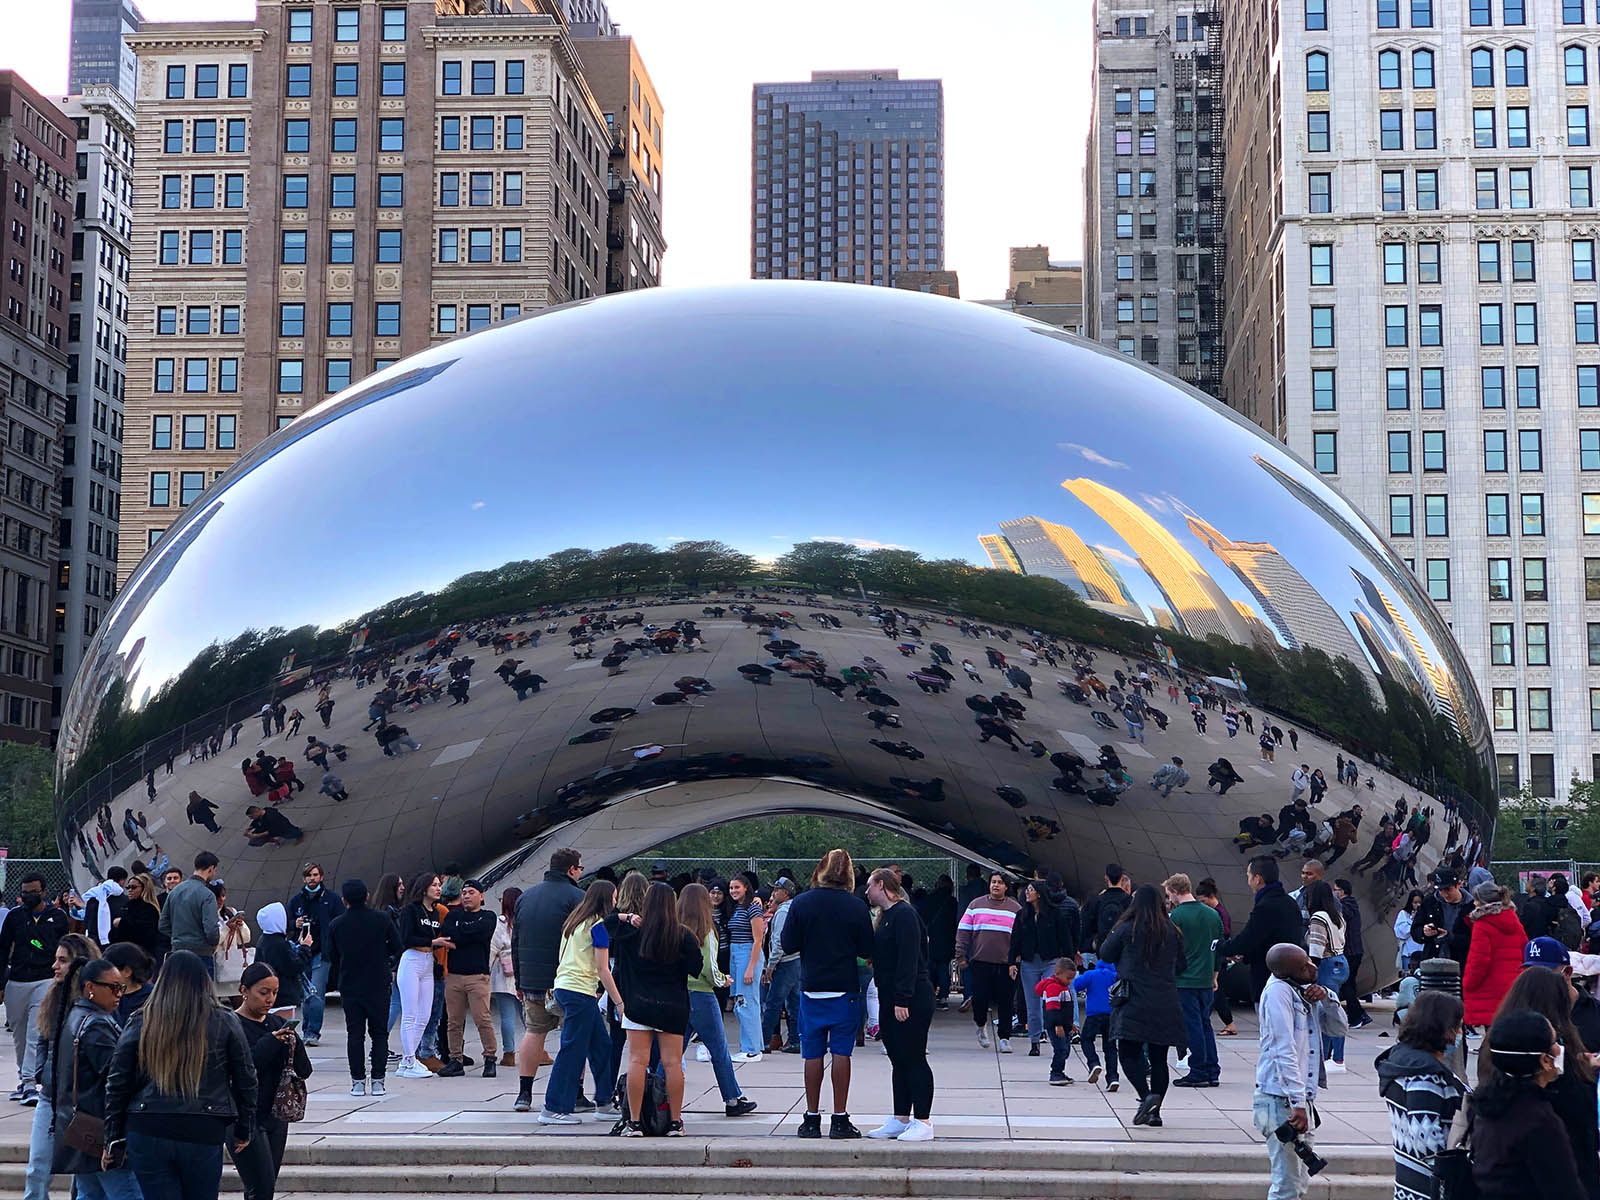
[(1199, 606), (1001, 555), (1435, 683), (1297, 610)]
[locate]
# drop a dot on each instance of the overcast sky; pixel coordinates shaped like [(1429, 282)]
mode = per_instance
[(1016, 88)]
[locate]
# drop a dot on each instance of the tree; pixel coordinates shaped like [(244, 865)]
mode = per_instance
[(27, 811)]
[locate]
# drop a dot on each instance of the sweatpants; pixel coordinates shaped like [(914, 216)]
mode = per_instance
[(366, 1017), (911, 1078), (992, 984), (22, 1013)]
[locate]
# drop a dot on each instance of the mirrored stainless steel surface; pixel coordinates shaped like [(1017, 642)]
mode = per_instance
[(795, 448)]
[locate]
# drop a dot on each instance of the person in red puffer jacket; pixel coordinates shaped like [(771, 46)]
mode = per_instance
[(1495, 957)]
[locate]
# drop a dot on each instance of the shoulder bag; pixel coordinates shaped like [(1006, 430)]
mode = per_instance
[(85, 1133), (289, 1100), (1452, 1169)]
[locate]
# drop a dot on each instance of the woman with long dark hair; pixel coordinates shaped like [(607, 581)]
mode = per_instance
[(82, 1041), (1572, 1092), (1519, 1145), (502, 977), (419, 937), (705, 1014), (273, 1046), (900, 969), (1421, 1091), (387, 899), (1037, 940), (1147, 950), (181, 1082), (721, 910), (60, 997), (135, 967), (630, 900), (1325, 942), (140, 922), (747, 926), (659, 956), (583, 966), (1405, 944)]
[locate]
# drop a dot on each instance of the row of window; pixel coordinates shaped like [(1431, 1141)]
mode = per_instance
[(194, 432), (346, 79), (340, 320), (202, 191), (1491, 385), (1496, 458), (1497, 507), (190, 485), (197, 320), (1505, 709), (1536, 640), (347, 24), (196, 375), (204, 136), (344, 135), (479, 133), (202, 247), (1491, 324), (207, 79)]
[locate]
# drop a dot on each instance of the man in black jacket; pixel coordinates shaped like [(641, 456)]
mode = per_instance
[(541, 911), (1441, 923), (361, 944), (466, 983), (313, 907), (1103, 911), (830, 929), (27, 964), (1274, 918)]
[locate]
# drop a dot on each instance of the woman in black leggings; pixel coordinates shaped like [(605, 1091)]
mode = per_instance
[(905, 994), (1148, 952)]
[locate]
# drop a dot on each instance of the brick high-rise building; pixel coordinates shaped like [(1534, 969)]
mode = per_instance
[(848, 178), (36, 198), (97, 353), (621, 85), (328, 188)]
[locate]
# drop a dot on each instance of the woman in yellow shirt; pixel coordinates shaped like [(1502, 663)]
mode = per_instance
[(582, 968)]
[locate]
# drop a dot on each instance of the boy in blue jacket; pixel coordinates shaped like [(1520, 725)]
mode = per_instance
[(1095, 986)]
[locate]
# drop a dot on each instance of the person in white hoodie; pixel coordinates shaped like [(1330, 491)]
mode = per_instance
[(99, 915), (502, 978)]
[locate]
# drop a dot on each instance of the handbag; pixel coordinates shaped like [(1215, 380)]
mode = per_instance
[(1452, 1170), (1119, 993), (289, 1101), (85, 1133)]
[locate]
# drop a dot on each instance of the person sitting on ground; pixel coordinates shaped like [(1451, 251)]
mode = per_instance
[(268, 826)]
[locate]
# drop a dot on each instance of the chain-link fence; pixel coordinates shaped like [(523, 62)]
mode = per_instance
[(14, 870), (923, 870), (1514, 873)]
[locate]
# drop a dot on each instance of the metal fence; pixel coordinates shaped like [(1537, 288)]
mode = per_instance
[(14, 870), (1514, 873), (923, 870)]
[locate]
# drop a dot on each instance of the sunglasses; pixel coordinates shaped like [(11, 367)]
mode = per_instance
[(116, 988)]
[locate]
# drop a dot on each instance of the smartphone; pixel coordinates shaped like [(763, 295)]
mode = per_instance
[(292, 1025)]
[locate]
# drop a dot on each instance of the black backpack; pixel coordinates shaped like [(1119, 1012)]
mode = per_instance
[(655, 1114), (1566, 928)]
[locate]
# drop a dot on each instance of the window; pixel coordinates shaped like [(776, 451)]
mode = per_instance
[(194, 433), (297, 137), (1525, 324), (1482, 67), (1499, 579), (1532, 514), (172, 191), (172, 137), (392, 79), (169, 246), (1497, 514), (511, 189), (1530, 452), (1576, 59), (227, 428), (341, 246), (1388, 70), (297, 80), (1325, 452), (1589, 449), (1317, 132), (1321, 264), (482, 133), (449, 242), (1522, 270), (200, 243), (1323, 395), (447, 318), (176, 82), (1389, 129), (1394, 262), (1435, 516), (205, 137), (480, 245), (1388, 14), (1433, 458), (294, 191), (391, 190), (1591, 513), (197, 319), (294, 246), (511, 245), (336, 375), (1494, 450), (1397, 388), (342, 191), (1539, 719), (344, 135), (1487, 183), (1317, 72), (160, 489), (480, 188), (1516, 65), (167, 319), (1589, 387), (1583, 321), (1594, 645), (1591, 579), (205, 81), (1320, 190), (1580, 187), (1438, 576), (477, 316), (227, 381), (1422, 69), (1488, 262), (392, 135), (165, 370), (1147, 100), (513, 132), (483, 76), (1505, 708), (449, 189), (1502, 649), (514, 84), (1399, 452), (300, 25), (1527, 387), (1400, 516), (1394, 191), (1521, 187), (196, 378), (1492, 381), (394, 24), (1489, 333), (1577, 125), (291, 320), (1427, 191), (1432, 387), (1394, 325), (1316, 14), (1482, 127), (346, 24), (450, 79), (345, 79), (1424, 129), (190, 485), (1537, 639), (1479, 13), (1322, 326), (339, 320), (389, 243), (1517, 126), (387, 321), (291, 375)]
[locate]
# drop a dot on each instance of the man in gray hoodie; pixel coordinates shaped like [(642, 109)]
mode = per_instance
[(189, 916)]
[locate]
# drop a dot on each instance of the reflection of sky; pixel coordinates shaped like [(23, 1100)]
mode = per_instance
[(759, 415)]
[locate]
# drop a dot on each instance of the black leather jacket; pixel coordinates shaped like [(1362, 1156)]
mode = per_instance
[(96, 1032), (227, 1087)]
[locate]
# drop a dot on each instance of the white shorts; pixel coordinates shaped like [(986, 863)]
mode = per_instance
[(634, 1025)]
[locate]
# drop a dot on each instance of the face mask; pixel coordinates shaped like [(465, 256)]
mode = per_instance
[(1450, 1046), (1560, 1059), (32, 899), (313, 888)]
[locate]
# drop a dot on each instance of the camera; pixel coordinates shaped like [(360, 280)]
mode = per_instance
[(1290, 1136)]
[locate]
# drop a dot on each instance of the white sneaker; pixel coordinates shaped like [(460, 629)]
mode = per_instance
[(891, 1128), (747, 1056), (358, 1087), (546, 1117), (701, 1054), (919, 1131), (410, 1068), (1005, 1045), (983, 1036), (1094, 1074), (606, 1112), (378, 1089), (1334, 1068)]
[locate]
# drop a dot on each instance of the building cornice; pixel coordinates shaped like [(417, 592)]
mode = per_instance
[(152, 39)]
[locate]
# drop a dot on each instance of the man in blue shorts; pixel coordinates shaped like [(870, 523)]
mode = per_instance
[(830, 928)]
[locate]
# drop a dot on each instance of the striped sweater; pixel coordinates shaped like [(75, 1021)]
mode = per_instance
[(984, 932)]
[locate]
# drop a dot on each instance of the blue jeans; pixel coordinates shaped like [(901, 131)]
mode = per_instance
[(429, 1046), (120, 1184), (1098, 1025), (1331, 974), (746, 996), (1289, 1178), (583, 1035), (40, 1148), (169, 1170), (1061, 1047), (1030, 973), (508, 1010), (782, 993), (705, 1019), (316, 996), (1196, 1006), (394, 1004)]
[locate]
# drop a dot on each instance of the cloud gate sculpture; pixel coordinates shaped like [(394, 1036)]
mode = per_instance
[(921, 485)]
